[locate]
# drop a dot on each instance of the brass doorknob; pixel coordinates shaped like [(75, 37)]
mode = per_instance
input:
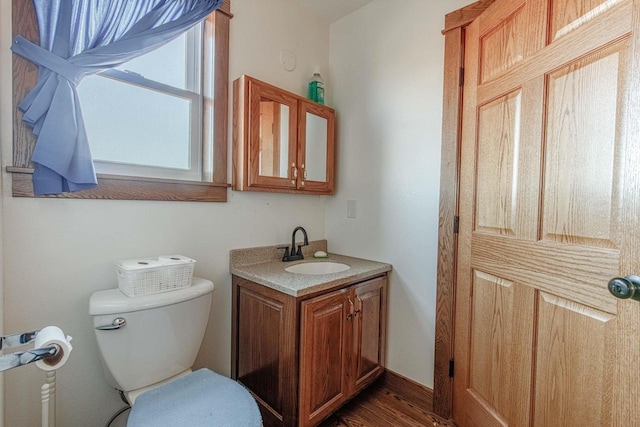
[(624, 288)]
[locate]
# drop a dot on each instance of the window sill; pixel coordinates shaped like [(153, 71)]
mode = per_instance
[(117, 187)]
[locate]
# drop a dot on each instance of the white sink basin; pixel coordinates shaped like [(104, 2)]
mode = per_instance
[(326, 267)]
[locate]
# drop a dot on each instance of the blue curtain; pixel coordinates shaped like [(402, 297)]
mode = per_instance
[(80, 38)]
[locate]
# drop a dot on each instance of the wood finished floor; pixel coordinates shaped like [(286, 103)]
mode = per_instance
[(378, 406)]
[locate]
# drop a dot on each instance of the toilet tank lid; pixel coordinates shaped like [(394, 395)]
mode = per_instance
[(112, 301)]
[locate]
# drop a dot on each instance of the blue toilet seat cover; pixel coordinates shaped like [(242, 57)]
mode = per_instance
[(202, 398)]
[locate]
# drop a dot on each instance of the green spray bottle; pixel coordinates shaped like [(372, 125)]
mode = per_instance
[(316, 87)]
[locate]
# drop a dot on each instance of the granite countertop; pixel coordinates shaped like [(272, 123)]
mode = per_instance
[(264, 265)]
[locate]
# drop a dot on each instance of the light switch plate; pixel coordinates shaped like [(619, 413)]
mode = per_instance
[(352, 208)]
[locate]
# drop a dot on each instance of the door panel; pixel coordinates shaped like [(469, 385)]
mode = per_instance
[(580, 206), (497, 193), (574, 357), (549, 202), (501, 325), (506, 39), (508, 155), (565, 15), (503, 46)]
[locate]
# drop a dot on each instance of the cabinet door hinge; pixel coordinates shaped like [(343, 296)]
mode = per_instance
[(451, 367), (456, 224), (461, 76)]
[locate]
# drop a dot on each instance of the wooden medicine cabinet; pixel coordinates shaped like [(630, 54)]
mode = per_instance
[(281, 141)]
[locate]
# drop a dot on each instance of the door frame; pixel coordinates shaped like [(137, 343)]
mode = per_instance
[(454, 34)]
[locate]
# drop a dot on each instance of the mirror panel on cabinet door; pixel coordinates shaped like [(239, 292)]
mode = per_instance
[(316, 146), (272, 137)]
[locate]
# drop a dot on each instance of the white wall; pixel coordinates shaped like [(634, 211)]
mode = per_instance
[(57, 252), (386, 65), (269, 27)]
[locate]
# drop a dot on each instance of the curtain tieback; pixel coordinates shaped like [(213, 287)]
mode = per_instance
[(43, 57)]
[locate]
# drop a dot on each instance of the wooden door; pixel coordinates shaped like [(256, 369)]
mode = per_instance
[(549, 213), (325, 336), (368, 333)]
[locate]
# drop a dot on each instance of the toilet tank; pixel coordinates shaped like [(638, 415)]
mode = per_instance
[(162, 335)]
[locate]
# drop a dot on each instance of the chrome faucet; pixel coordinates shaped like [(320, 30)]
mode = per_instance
[(293, 255)]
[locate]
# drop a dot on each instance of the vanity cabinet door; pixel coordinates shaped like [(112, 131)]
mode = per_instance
[(324, 349), (264, 349), (316, 145), (369, 333)]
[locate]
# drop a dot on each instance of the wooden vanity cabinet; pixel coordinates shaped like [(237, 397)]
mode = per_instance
[(281, 141), (341, 347), (303, 357)]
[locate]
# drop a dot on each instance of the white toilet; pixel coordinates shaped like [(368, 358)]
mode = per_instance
[(148, 345)]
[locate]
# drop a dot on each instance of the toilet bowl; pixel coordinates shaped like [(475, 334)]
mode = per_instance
[(148, 345)]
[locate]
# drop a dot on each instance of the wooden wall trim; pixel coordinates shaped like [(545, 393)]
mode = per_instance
[(418, 395), (447, 239), (113, 187), (410, 390), (221, 95), (466, 15), (449, 188), (25, 76), (226, 8)]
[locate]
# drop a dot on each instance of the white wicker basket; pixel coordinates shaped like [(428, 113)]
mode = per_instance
[(145, 276)]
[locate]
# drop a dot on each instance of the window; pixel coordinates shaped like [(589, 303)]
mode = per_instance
[(191, 164), (144, 118)]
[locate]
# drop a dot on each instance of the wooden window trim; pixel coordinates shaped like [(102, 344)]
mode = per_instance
[(214, 186)]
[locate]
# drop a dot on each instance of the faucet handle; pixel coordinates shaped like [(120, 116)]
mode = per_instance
[(285, 257), (299, 252)]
